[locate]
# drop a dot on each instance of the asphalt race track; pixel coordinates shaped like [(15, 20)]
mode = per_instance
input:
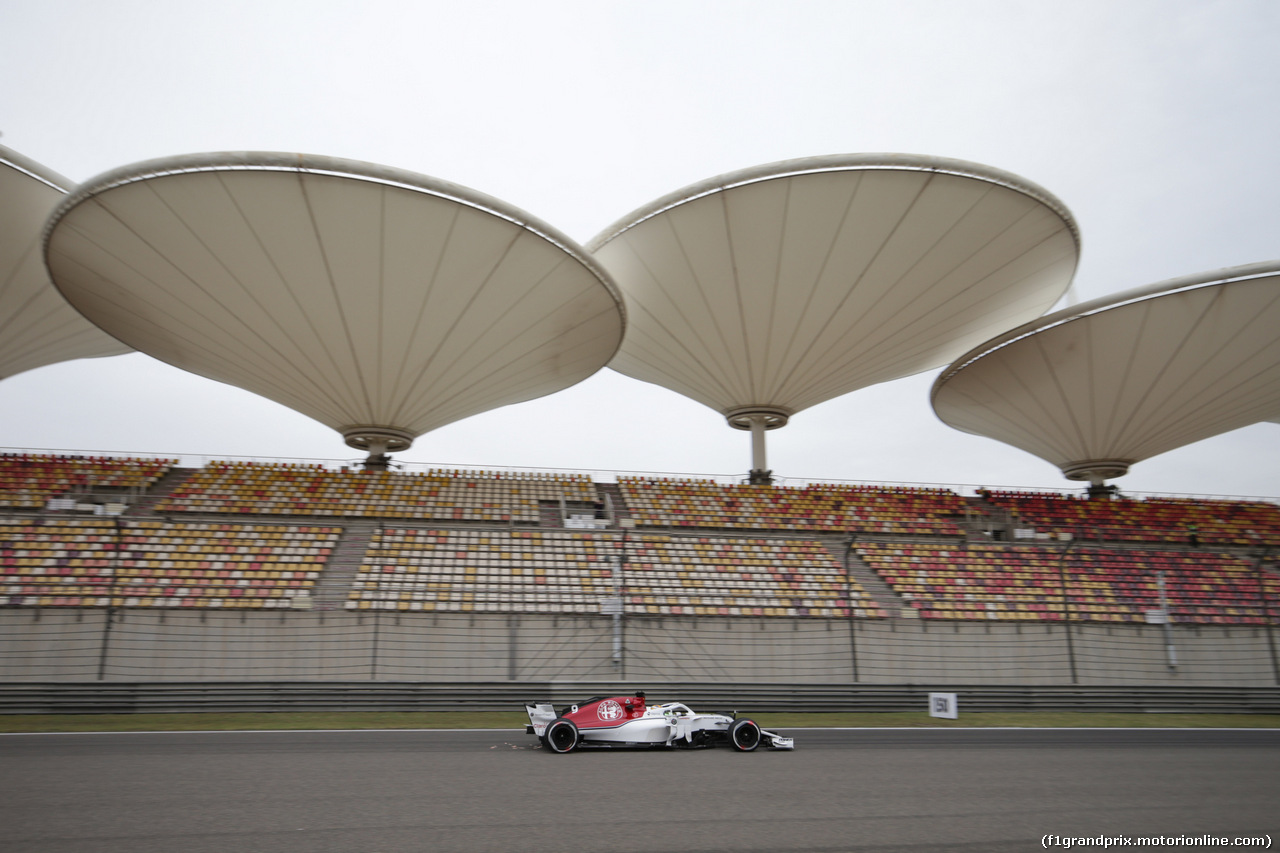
[(399, 791)]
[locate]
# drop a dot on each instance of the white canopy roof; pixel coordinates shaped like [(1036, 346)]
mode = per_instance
[(1098, 387), (776, 288), (37, 326), (380, 302)]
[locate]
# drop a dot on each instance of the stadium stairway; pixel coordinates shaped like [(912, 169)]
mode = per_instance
[(880, 592), (611, 496), (987, 522), (607, 494), (332, 589), (159, 490)]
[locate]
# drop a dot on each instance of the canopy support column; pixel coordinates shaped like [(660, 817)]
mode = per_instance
[(757, 419), (760, 473), (377, 460)]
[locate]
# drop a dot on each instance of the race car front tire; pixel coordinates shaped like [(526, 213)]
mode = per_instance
[(744, 735), (561, 735)]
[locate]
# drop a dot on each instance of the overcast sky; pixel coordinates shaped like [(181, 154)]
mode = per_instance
[(1155, 121)]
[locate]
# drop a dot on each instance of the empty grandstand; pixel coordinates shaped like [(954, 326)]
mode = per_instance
[(115, 563), (1035, 583), (258, 489), (1172, 520), (105, 562), (824, 509), (31, 481)]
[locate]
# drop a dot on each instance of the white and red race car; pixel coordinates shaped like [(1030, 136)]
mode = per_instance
[(626, 721)]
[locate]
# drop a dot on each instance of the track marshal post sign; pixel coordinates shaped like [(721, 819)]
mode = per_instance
[(943, 705)]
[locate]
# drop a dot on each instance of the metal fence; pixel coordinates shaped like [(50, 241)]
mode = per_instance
[(258, 697)]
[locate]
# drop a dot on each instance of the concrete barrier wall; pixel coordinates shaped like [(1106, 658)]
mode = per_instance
[(84, 645)]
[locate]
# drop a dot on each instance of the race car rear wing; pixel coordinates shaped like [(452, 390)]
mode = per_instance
[(540, 714)]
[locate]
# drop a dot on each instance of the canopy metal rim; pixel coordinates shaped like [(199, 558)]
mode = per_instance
[(273, 161), (1096, 470), (372, 437), (1168, 287), (892, 162), (773, 417)]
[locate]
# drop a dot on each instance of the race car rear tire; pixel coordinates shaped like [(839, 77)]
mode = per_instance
[(744, 735), (561, 735)]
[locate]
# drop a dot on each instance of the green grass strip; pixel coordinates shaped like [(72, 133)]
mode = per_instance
[(289, 721), (1027, 719)]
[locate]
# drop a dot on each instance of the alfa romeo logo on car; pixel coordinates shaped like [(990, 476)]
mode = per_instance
[(609, 710)]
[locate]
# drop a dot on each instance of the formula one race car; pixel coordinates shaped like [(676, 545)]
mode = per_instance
[(625, 721)]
